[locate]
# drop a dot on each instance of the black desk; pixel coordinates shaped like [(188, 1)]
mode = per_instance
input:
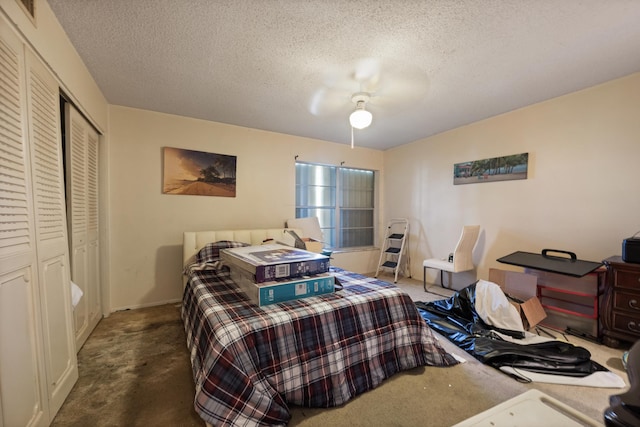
[(570, 265), (571, 304)]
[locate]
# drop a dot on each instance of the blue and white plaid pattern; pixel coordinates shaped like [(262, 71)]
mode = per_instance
[(250, 362)]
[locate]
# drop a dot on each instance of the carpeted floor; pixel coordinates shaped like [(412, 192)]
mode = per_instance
[(135, 371)]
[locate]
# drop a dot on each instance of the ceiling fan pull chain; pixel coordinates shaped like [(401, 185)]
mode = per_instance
[(351, 137)]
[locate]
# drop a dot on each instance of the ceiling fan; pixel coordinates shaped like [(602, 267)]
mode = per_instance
[(374, 86)]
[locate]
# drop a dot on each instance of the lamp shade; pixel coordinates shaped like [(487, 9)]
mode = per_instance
[(360, 118)]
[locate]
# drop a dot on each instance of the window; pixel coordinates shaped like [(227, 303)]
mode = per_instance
[(342, 199)]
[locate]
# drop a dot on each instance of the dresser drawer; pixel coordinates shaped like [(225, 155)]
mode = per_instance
[(627, 301), (620, 310), (626, 324), (627, 279)]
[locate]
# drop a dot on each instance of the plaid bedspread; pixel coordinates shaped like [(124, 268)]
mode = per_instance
[(249, 363)]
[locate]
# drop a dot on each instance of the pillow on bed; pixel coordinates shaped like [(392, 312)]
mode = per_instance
[(210, 253), (208, 258)]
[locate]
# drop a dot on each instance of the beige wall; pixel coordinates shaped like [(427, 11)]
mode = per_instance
[(582, 193), (146, 226)]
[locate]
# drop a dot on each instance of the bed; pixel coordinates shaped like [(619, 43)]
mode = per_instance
[(251, 363)]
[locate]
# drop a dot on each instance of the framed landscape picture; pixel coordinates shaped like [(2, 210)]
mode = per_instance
[(503, 168), (198, 173)]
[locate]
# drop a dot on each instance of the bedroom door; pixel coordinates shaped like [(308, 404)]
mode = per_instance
[(82, 207)]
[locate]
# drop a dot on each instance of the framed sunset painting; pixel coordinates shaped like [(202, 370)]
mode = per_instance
[(198, 173)]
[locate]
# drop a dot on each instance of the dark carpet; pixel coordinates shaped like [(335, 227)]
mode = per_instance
[(134, 371)]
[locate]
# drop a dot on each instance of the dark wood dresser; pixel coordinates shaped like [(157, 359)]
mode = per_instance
[(620, 311)]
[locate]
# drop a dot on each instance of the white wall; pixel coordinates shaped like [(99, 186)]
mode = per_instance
[(582, 193), (146, 226)]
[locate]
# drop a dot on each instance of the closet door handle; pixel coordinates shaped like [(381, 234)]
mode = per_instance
[(633, 326), (634, 304)]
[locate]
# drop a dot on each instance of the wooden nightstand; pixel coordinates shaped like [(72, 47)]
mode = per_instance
[(620, 314)]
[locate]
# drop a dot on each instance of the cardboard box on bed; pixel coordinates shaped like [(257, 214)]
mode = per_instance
[(313, 245), (275, 261), (523, 287), (282, 290), (310, 244)]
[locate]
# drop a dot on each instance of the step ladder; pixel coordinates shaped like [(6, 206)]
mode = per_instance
[(394, 253)]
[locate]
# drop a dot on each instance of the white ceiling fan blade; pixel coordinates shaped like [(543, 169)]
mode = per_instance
[(390, 86), (334, 94), (327, 101), (400, 87), (339, 83), (367, 71)]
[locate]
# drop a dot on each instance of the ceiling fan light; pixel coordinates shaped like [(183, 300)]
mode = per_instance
[(360, 118)]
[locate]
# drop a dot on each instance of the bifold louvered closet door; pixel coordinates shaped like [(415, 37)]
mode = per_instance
[(38, 364), (82, 206)]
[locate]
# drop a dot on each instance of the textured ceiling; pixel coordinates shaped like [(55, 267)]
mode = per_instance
[(290, 66)]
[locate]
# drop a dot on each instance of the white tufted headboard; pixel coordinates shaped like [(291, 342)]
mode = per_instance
[(193, 241)]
